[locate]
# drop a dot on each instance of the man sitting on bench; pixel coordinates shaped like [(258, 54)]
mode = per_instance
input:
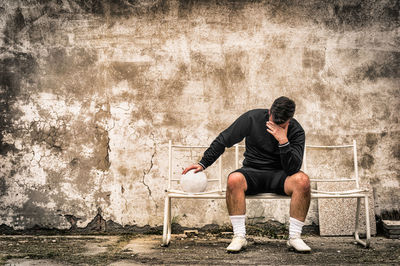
[(273, 157)]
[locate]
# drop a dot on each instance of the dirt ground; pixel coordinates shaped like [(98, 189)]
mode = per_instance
[(206, 249)]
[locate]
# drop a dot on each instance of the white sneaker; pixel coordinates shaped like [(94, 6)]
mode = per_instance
[(297, 244), (238, 243)]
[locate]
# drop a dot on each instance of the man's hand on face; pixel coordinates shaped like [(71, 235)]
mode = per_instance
[(278, 131)]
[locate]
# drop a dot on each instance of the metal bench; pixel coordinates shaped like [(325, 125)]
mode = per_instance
[(219, 193)]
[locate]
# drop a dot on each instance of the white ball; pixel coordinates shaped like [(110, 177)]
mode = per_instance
[(194, 182)]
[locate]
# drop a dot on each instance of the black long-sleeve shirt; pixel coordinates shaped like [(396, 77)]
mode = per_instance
[(262, 149)]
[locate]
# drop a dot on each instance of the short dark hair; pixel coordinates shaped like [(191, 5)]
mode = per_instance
[(282, 110)]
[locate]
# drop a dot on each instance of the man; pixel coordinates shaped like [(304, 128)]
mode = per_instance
[(273, 157)]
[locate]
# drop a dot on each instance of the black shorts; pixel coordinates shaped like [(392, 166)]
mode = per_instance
[(263, 181)]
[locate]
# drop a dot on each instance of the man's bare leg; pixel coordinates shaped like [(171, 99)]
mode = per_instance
[(236, 203), (235, 197), (298, 187)]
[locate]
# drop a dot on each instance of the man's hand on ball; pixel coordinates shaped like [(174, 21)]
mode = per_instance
[(197, 168), (279, 133)]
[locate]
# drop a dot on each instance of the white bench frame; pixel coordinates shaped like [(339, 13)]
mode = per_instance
[(315, 194)]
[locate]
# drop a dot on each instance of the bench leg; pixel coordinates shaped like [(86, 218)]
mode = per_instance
[(167, 222), (368, 240), (365, 243)]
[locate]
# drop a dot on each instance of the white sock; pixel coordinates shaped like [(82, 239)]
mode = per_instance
[(238, 224), (295, 228)]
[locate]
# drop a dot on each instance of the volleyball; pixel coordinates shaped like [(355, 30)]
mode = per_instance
[(194, 182)]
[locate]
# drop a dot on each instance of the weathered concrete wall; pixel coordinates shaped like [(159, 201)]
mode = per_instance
[(91, 91)]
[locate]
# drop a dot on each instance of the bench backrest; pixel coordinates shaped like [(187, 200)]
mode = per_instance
[(218, 178), (350, 147)]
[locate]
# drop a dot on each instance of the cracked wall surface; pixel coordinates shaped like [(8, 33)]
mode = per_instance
[(91, 92)]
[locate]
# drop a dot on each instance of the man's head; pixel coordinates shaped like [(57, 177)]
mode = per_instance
[(282, 110)]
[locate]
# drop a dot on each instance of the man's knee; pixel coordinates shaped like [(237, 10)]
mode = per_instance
[(302, 182), (236, 180)]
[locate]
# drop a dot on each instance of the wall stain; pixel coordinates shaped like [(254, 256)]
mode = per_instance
[(134, 73), (74, 72), (171, 119), (53, 179), (367, 161), (101, 137), (144, 112), (349, 13), (200, 68), (108, 9), (351, 101), (13, 27), (361, 14), (396, 151), (54, 137), (3, 186), (74, 162), (172, 88), (123, 170), (188, 6), (335, 15), (322, 91), (16, 69), (139, 90), (231, 76), (63, 62), (30, 214), (279, 42), (169, 92), (313, 59), (371, 140), (385, 65), (102, 149)]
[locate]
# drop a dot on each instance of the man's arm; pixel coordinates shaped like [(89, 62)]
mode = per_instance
[(227, 138), (291, 153)]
